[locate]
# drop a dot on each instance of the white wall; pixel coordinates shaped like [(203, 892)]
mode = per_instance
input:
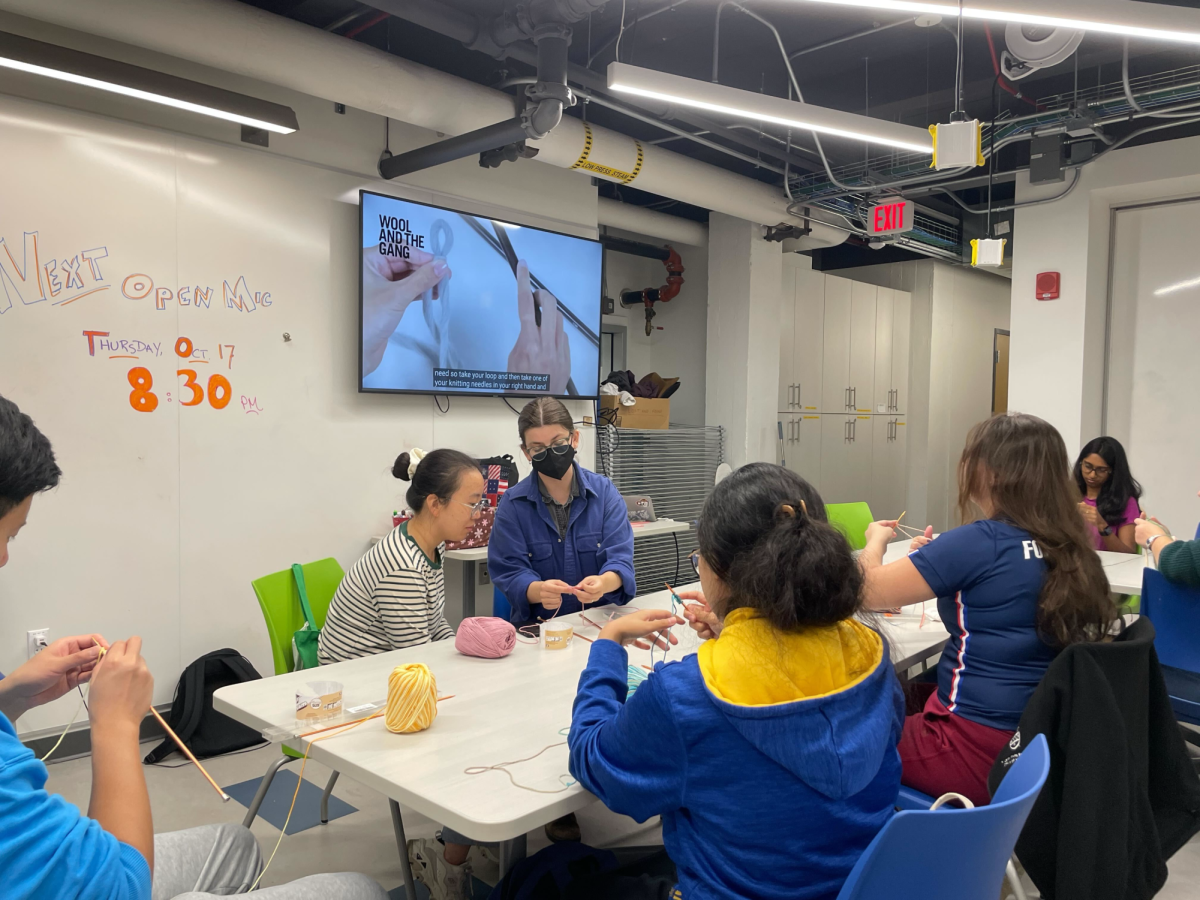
[(745, 277), (675, 349), (60, 577), (955, 312), (1057, 349)]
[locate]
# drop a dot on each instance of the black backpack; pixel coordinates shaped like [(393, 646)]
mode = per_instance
[(206, 731)]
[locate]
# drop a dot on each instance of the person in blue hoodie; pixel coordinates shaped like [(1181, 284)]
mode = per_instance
[(47, 848), (771, 752)]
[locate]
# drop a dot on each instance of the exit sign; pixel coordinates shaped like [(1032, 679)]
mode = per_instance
[(890, 218)]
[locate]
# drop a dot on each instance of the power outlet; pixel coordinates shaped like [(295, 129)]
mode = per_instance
[(35, 641)]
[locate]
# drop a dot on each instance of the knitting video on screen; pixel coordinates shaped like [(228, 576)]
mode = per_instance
[(460, 304)]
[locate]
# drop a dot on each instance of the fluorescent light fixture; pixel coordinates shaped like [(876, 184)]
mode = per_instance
[(1176, 288), (717, 98), (38, 58), (1155, 21)]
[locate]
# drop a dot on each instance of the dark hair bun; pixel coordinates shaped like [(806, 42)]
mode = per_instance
[(400, 467)]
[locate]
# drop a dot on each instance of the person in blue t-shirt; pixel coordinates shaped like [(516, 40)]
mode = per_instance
[(47, 848), (1013, 588)]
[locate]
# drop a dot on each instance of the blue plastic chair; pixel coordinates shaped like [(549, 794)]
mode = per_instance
[(1175, 612), (951, 854)]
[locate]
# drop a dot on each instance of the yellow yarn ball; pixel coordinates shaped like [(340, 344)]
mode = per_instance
[(411, 699)]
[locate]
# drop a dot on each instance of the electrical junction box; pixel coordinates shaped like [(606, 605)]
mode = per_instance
[(1046, 286), (957, 145), (1046, 159), (988, 252)]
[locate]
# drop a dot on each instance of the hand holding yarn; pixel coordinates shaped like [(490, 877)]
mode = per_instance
[(411, 699), (486, 637)]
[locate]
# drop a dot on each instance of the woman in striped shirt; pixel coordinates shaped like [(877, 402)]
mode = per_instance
[(395, 596)]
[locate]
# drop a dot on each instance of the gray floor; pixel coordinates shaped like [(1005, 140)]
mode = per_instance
[(363, 842), (360, 842)]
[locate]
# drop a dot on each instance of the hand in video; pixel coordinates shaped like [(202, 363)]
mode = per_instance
[(545, 349), (390, 284)]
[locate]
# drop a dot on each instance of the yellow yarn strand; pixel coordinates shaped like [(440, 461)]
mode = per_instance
[(411, 699)]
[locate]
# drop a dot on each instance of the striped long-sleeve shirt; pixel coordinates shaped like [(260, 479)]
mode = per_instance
[(393, 597)]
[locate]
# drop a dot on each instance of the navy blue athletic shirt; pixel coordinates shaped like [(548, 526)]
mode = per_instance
[(987, 577)]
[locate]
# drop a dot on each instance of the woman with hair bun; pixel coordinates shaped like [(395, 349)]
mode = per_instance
[(395, 596), (771, 752)]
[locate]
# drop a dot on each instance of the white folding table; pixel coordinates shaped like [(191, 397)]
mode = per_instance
[(501, 710)]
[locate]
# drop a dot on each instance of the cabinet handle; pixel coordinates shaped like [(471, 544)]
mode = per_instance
[(854, 398), (853, 430), (792, 435), (799, 396), (791, 395)]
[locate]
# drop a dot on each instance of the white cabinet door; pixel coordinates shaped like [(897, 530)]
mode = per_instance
[(835, 369), (804, 450), (889, 473), (835, 451), (787, 328), (884, 309), (845, 458), (862, 346), (901, 339), (809, 339)]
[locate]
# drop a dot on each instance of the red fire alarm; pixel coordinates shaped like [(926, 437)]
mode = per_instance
[(1047, 286)]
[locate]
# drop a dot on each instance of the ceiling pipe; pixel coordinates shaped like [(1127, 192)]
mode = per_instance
[(546, 97), (650, 223), (247, 41), (473, 34)]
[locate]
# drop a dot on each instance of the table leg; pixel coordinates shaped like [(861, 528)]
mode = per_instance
[(511, 853), (470, 576), (410, 889)]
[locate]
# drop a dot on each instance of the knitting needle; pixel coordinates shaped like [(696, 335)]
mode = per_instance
[(188, 753), (363, 719), (182, 746)]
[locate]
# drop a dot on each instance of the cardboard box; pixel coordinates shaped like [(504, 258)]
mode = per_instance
[(643, 414)]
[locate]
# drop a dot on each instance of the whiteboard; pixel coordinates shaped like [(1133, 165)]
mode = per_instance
[(132, 253), (1153, 366)]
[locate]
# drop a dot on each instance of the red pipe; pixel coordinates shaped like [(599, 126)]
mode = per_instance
[(370, 23), (996, 68)]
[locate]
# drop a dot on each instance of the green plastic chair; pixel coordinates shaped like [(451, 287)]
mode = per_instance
[(851, 519), (279, 599)]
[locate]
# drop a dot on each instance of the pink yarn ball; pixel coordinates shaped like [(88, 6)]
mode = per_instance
[(485, 636)]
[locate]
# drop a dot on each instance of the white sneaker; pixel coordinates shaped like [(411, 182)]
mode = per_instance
[(427, 859), (484, 864)]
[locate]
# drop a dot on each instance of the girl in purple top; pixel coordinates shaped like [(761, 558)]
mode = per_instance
[(1110, 495)]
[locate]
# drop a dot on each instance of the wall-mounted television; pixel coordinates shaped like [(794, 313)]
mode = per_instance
[(451, 303)]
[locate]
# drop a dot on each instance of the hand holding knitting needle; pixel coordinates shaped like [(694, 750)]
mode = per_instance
[(635, 628)]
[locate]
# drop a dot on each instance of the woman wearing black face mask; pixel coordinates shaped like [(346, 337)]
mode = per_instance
[(562, 539)]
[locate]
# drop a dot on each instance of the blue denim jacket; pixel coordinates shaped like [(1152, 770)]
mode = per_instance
[(525, 547)]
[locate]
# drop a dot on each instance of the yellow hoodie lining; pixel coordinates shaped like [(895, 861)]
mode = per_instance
[(752, 663)]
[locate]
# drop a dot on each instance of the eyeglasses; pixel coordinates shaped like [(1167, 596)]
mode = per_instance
[(1089, 469), (478, 506), (695, 561), (559, 447)]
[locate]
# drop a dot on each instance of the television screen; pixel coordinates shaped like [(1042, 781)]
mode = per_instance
[(452, 303)]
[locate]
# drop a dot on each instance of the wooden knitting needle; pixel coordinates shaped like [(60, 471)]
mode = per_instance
[(182, 746), (188, 753)]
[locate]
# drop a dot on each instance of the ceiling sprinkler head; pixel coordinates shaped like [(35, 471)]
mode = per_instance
[(927, 21)]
